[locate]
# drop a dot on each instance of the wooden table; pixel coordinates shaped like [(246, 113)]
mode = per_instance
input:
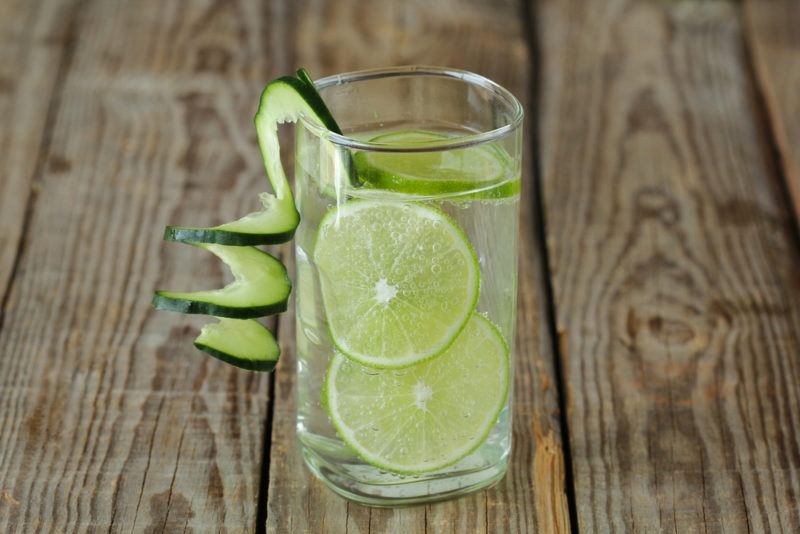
[(658, 355)]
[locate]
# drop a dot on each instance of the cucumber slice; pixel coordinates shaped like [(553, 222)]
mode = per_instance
[(244, 343), (274, 223), (260, 287), (283, 100)]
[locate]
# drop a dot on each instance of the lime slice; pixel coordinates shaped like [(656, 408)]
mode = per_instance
[(399, 281), (484, 169), (426, 417)]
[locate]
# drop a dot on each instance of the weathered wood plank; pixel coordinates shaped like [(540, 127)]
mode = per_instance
[(677, 284), (109, 418), (34, 45), (771, 30), (486, 38)]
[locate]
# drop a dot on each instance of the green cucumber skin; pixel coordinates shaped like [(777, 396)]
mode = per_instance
[(303, 75), (187, 234), (161, 302), (264, 366)]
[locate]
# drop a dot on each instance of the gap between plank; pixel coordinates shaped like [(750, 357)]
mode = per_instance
[(266, 452), (536, 196), (764, 119), (53, 106), (285, 62)]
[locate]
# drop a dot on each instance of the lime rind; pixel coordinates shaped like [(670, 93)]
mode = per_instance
[(460, 451), (473, 282)]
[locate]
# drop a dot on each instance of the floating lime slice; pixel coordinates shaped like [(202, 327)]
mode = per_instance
[(428, 416), (399, 281), (484, 170)]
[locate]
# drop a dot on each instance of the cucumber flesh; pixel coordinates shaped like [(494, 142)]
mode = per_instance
[(245, 343), (261, 287), (283, 100)]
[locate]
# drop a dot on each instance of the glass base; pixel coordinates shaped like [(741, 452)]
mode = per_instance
[(409, 492)]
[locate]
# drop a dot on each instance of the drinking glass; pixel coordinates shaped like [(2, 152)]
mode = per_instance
[(426, 154)]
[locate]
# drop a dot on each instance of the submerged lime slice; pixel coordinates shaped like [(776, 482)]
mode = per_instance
[(399, 281), (425, 417), (485, 170)]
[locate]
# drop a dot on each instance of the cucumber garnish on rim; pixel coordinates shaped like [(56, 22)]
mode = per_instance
[(283, 100), (260, 287)]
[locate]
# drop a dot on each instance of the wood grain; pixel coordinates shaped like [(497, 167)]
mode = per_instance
[(774, 42), (35, 47), (109, 418), (676, 280), (486, 38)]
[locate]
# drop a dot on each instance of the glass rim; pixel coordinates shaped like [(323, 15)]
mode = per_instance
[(462, 141)]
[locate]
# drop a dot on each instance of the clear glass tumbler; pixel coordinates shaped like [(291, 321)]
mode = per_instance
[(406, 283)]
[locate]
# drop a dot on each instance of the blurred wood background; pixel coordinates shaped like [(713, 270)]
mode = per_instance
[(658, 350)]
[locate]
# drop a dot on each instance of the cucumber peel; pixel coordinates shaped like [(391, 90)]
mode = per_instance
[(303, 75), (261, 287), (245, 343)]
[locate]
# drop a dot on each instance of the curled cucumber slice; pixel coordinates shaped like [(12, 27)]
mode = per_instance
[(245, 343), (283, 100), (260, 287)]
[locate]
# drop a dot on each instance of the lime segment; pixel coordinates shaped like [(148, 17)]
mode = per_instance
[(484, 168), (399, 281), (428, 416)]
